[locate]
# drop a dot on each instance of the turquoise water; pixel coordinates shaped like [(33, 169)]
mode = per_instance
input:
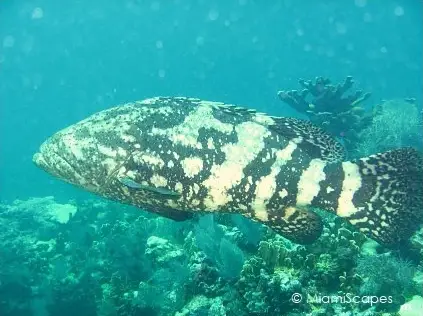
[(61, 61)]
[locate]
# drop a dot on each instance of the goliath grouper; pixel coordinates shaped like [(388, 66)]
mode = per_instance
[(178, 156)]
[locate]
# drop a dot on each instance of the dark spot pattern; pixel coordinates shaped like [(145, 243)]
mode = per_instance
[(387, 205)]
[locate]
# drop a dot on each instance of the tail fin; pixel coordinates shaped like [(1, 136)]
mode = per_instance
[(383, 195)]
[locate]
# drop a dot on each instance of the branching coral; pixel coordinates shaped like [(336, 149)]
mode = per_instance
[(329, 107)]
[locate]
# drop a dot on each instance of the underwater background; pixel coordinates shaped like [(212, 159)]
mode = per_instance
[(61, 61)]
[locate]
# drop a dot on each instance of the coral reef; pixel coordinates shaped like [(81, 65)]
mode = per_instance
[(109, 259), (395, 123), (281, 268), (388, 125), (326, 105), (386, 275), (224, 253)]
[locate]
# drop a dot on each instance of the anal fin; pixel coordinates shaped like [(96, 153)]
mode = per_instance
[(296, 224)]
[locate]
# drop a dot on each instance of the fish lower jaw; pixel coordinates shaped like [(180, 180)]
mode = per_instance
[(39, 160)]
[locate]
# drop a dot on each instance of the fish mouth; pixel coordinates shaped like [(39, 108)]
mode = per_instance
[(39, 160), (55, 164), (42, 162)]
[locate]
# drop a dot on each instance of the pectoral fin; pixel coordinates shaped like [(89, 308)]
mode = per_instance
[(166, 193)]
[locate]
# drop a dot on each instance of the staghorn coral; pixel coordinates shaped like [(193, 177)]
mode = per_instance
[(327, 97), (328, 106)]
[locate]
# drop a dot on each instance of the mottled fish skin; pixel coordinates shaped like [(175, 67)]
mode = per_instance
[(214, 157)]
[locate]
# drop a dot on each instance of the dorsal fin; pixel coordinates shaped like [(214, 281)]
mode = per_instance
[(315, 141), (234, 110)]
